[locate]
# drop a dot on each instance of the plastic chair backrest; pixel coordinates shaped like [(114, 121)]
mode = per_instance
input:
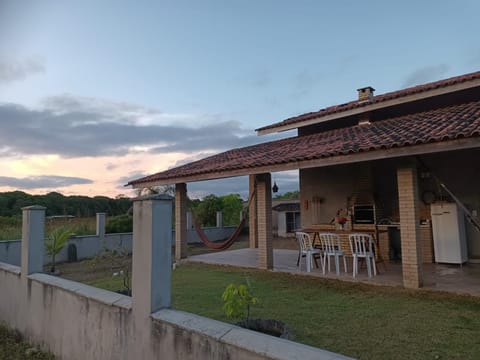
[(304, 241), (330, 242), (361, 244)]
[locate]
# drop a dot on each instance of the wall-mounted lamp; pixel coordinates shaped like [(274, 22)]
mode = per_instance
[(275, 187)]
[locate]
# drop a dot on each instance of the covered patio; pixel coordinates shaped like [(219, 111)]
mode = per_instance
[(437, 277), (387, 152)]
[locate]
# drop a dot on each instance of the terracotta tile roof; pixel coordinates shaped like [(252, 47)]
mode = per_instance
[(448, 123), (376, 99)]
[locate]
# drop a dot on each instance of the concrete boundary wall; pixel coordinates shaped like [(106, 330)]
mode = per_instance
[(90, 245), (77, 321)]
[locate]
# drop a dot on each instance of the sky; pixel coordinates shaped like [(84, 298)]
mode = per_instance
[(94, 94)]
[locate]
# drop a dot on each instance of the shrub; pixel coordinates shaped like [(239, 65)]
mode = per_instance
[(119, 224)]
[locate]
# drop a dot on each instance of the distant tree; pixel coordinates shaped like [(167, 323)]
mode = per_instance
[(232, 205), (11, 204), (206, 210), (290, 195)]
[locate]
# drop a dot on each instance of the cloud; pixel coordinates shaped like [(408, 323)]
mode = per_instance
[(16, 70), (426, 74), (74, 126), (44, 181)]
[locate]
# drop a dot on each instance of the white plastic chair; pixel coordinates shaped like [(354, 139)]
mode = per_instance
[(331, 246), (362, 247), (307, 250)]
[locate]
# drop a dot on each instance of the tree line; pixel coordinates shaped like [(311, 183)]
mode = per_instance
[(11, 204)]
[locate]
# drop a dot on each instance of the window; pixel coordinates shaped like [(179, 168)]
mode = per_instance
[(293, 221)]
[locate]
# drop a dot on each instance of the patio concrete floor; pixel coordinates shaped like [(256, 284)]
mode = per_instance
[(440, 277)]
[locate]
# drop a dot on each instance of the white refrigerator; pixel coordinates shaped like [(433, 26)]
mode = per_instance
[(448, 227)]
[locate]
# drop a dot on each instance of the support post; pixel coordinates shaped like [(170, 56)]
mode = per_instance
[(264, 221), (219, 219), (33, 235), (180, 221), (410, 225), (252, 214)]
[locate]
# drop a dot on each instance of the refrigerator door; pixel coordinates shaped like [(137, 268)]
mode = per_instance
[(448, 229)]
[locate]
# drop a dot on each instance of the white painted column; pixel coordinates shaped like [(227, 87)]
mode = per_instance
[(33, 235), (219, 219), (101, 221), (151, 266)]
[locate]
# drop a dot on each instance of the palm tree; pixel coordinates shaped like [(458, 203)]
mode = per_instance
[(55, 242)]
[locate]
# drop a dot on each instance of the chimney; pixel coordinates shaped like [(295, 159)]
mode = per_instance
[(365, 93)]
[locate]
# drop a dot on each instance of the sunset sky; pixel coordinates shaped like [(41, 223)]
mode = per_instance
[(96, 93)]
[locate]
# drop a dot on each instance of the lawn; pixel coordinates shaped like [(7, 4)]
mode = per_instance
[(366, 322)]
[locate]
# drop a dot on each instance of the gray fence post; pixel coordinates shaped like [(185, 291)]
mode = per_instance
[(33, 234), (101, 225)]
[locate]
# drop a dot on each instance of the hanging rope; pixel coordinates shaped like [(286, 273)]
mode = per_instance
[(229, 242)]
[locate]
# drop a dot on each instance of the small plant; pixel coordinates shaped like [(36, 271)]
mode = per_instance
[(237, 301), (55, 242)]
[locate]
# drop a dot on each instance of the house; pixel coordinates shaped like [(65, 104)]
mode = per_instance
[(286, 217), (381, 159)]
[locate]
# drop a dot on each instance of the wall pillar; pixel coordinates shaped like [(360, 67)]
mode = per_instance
[(180, 221), (219, 219), (252, 214), (151, 265), (264, 221), (101, 221), (33, 235), (410, 225)]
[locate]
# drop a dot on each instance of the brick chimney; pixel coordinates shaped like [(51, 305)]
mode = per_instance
[(365, 93)]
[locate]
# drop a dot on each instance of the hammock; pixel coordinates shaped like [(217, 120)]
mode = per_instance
[(219, 245), (229, 242)]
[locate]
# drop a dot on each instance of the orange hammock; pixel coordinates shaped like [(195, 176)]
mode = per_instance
[(229, 242), (219, 245)]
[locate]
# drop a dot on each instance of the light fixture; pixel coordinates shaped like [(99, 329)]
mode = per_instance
[(275, 187)]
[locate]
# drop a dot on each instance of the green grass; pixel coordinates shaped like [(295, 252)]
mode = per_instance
[(13, 347), (366, 322), (11, 227)]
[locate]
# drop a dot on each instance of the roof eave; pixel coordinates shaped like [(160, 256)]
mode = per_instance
[(370, 107), (413, 150)]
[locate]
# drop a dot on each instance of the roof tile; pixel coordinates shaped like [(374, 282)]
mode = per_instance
[(376, 99), (458, 121)]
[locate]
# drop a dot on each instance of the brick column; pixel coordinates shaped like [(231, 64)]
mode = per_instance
[(33, 234), (264, 221), (180, 221), (252, 214), (409, 225), (151, 266)]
